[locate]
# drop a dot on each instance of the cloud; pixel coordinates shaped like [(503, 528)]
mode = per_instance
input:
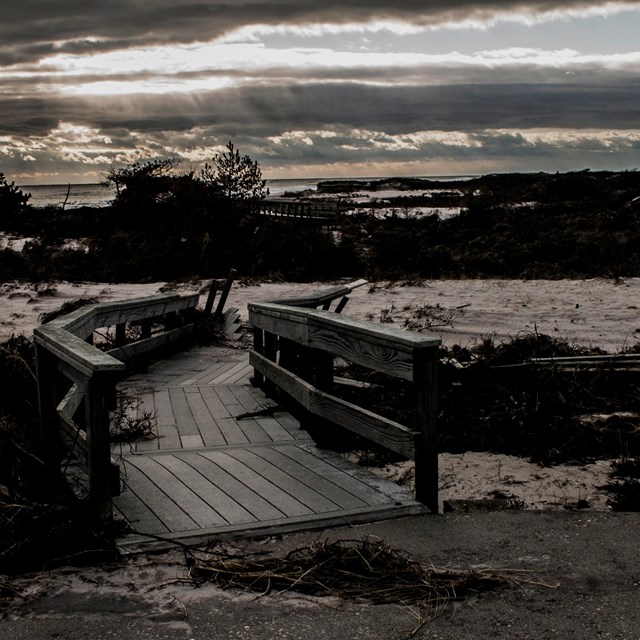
[(38, 28), (305, 85)]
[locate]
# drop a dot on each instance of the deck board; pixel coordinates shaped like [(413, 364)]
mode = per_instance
[(214, 471)]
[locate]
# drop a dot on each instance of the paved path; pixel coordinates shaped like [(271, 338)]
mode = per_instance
[(217, 467)]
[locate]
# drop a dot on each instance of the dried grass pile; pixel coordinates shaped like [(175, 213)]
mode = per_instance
[(365, 571)]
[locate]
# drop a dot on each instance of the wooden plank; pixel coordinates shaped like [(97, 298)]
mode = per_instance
[(292, 425), (182, 412), (387, 433), (241, 376), (316, 477), (295, 486), (274, 430), (192, 442), (205, 486), (274, 494), (111, 313), (168, 435), (336, 469), (157, 468), (287, 322), (211, 435), (254, 503), (326, 295), (139, 516), (128, 351), (71, 401), (253, 431), (229, 429), (249, 401), (163, 506), (83, 357), (291, 384), (207, 376), (230, 373), (366, 349)]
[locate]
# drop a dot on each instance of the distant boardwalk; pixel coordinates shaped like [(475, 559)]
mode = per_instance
[(302, 209), (215, 469)]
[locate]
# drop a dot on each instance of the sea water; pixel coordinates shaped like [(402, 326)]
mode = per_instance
[(100, 195)]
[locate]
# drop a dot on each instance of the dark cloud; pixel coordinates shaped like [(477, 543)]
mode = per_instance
[(394, 110), (30, 29)]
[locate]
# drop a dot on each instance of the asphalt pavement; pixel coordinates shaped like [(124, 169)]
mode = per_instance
[(579, 574)]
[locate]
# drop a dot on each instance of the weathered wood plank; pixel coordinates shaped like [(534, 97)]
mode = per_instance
[(387, 433), (253, 502), (205, 486), (283, 501), (157, 468), (168, 435), (274, 430), (337, 470), (182, 412), (128, 351), (315, 477), (207, 425), (291, 384), (139, 516), (165, 507), (83, 357), (295, 486)]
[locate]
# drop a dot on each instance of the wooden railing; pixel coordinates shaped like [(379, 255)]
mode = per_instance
[(305, 209), (73, 374), (294, 349)]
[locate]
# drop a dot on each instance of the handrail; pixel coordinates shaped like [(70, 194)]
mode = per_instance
[(294, 349), (72, 373)]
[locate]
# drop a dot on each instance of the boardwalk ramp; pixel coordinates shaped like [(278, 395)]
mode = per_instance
[(228, 461)]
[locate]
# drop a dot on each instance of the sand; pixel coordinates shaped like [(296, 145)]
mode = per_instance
[(598, 312)]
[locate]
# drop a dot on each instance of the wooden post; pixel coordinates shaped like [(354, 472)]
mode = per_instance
[(98, 446), (289, 355), (47, 401), (425, 368), (145, 328), (316, 367), (225, 292), (271, 353), (213, 290), (121, 333), (342, 304), (258, 347)]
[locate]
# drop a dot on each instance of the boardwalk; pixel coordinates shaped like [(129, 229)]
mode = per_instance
[(215, 469)]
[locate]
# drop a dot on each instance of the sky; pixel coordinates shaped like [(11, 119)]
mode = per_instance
[(319, 88)]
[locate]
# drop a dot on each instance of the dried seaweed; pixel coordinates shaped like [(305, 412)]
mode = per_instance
[(365, 570)]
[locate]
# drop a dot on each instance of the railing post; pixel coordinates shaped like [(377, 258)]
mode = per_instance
[(47, 402), (425, 368), (99, 390), (121, 334), (225, 292), (316, 367), (258, 347)]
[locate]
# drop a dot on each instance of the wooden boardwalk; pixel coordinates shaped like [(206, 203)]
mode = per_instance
[(217, 469)]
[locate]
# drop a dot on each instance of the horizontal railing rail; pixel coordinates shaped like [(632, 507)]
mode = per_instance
[(294, 350), (304, 209), (74, 374)]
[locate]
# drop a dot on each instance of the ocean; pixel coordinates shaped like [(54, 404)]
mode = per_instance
[(98, 195)]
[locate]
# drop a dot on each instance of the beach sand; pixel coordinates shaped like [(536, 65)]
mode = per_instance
[(599, 313)]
